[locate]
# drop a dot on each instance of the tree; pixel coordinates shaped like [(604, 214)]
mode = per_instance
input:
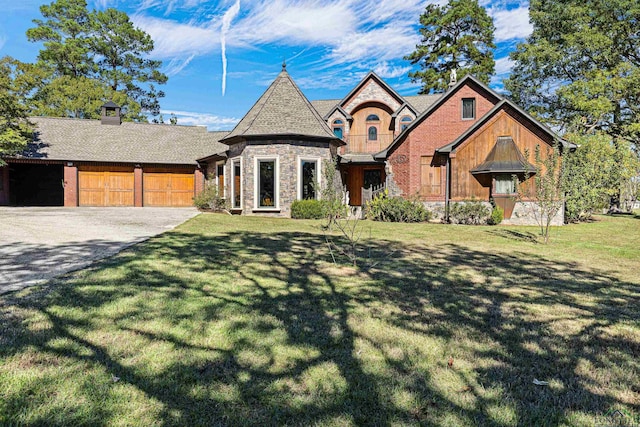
[(65, 37), (15, 129), (546, 196), (579, 71), (93, 54), (121, 49), (580, 66), (457, 36), (589, 175)]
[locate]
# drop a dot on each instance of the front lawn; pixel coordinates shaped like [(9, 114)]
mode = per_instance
[(246, 321)]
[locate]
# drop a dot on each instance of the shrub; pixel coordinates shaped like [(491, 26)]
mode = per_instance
[(308, 209), (396, 209), (472, 213), (497, 215), (210, 199)]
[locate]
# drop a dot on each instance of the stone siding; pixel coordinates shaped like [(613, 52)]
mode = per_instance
[(288, 154), (523, 215), (372, 91)]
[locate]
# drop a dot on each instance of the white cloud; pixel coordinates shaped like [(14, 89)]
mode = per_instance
[(387, 71), (176, 65), (504, 65), (173, 39), (211, 121), (511, 24)]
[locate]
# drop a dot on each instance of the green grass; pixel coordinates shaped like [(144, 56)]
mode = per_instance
[(246, 321)]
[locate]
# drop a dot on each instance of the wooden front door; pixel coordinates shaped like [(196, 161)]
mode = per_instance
[(168, 189), (105, 187), (430, 177)]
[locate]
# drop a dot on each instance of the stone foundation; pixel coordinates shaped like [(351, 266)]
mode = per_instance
[(522, 213)]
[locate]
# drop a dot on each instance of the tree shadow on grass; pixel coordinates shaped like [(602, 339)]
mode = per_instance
[(251, 328)]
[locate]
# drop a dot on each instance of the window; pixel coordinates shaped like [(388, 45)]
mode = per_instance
[(372, 133), (468, 108), (236, 184), (338, 128), (372, 177), (220, 178), (373, 118), (308, 179), (266, 185), (504, 184), (404, 122)]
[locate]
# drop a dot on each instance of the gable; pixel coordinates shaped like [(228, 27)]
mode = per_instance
[(372, 89), (442, 122)]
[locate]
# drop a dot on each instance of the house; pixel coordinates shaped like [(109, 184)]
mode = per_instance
[(76, 162), (466, 143)]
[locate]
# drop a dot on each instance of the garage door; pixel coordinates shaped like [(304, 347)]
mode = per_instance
[(168, 189), (105, 188)]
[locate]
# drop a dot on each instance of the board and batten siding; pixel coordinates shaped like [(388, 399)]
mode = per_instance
[(474, 150)]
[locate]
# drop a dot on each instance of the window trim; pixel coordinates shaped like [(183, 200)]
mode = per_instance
[(256, 183), (404, 122), (318, 163), (335, 125), (369, 127), (474, 108), (495, 181), (224, 177), (233, 162)]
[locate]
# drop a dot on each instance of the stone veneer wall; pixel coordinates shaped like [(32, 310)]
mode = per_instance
[(288, 153), (522, 213), (372, 91)]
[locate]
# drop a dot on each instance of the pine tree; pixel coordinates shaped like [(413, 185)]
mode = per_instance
[(457, 36)]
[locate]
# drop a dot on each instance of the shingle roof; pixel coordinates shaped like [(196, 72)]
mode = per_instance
[(89, 140), (421, 102), (324, 106), (281, 110)]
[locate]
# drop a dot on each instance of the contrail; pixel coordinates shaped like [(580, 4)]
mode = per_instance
[(226, 23)]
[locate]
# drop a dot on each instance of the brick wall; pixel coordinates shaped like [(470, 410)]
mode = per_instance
[(440, 128)]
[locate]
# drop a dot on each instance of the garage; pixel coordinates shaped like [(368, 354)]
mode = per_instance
[(105, 186), (36, 184), (167, 188)]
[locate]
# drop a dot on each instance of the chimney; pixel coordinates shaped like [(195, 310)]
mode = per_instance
[(111, 114)]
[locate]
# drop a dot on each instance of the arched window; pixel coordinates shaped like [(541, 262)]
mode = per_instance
[(338, 128), (373, 118), (404, 122), (373, 133)]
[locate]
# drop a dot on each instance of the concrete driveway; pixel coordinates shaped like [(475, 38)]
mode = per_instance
[(37, 244)]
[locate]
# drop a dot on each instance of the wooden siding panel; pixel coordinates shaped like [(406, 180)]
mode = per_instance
[(474, 151)]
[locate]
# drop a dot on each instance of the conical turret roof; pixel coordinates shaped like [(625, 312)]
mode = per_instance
[(282, 110)]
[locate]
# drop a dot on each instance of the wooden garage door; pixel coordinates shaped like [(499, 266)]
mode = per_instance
[(168, 189), (105, 188)]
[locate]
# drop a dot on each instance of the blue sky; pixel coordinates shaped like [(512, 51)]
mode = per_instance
[(329, 45)]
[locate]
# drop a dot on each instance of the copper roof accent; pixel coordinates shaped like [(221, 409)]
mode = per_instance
[(58, 138), (504, 157), (282, 110)]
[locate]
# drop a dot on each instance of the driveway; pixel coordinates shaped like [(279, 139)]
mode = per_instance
[(37, 244)]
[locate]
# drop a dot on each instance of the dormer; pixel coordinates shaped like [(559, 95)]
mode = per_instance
[(110, 114)]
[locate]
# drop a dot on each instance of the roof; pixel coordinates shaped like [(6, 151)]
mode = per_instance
[(88, 140), (282, 110), (433, 107), (325, 106), (504, 157), (371, 75), (111, 104), (421, 102), (362, 158)]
